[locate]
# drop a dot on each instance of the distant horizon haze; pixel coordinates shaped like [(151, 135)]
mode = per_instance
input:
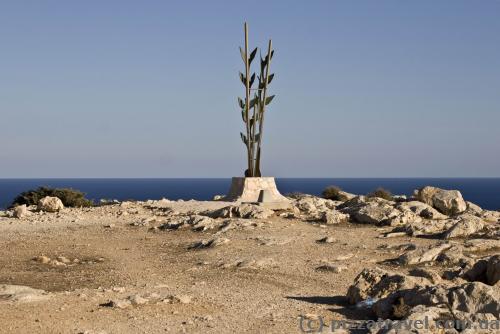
[(126, 89)]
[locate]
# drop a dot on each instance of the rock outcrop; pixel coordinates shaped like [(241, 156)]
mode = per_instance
[(50, 204), (448, 202), (397, 296)]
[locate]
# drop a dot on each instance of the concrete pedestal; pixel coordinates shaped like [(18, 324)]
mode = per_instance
[(260, 190)]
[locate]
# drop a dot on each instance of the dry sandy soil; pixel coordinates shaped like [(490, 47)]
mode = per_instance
[(260, 281)]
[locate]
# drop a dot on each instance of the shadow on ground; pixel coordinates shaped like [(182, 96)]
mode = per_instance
[(354, 316)]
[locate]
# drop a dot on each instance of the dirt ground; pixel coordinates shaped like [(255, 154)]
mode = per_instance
[(261, 281)]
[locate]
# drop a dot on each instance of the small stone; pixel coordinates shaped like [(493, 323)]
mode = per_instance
[(217, 241), (326, 240), (331, 268), (57, 263), (344, 257), (119, 303), (63, 259), (42, 259), (183, 299), (137, 300)]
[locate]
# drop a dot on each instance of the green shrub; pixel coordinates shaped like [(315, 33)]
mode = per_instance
[(69, 197), (334, 193), (381, 193)]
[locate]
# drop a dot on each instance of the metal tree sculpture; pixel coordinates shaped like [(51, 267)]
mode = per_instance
[(253, 109)]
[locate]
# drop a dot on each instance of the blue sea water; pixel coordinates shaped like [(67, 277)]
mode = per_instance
[(482, 191)]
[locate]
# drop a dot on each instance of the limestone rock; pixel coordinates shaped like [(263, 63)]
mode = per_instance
[(376, 211), (119, 303), (50, 204), (482, 245), (326, 240), (404, 218), (428, 227), (465, 225), (474, 209), (182, 299), (20, 293), (202, 223), (20, 211), (493, 270), (454, 256), (477, 272), (137, 300), (475, 297), (378, 283), (422, 209), (491, 216), (449, 202), (244, 210), (312, 204), (217, 241), (422, 255), (333, 268), (430, 274), (333, 217)]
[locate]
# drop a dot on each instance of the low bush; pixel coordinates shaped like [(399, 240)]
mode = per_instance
[(69, 197), (334, 193), (381, 193)]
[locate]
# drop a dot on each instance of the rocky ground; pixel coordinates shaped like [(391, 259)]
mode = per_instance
[(215, 267)]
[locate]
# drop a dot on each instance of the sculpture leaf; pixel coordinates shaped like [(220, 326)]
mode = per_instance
[(243, 79), (244, 138), (243, 55), (252, 56), (269, 99)]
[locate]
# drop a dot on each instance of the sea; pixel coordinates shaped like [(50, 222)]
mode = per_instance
[(483, 191)]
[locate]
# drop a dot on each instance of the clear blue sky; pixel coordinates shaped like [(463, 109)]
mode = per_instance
[(148, 88)]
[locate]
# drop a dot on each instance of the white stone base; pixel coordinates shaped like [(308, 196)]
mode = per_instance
[(248, 189)]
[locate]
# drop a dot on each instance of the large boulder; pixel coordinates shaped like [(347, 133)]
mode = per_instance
[(20, 211), (50, 204), (449, 202)]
